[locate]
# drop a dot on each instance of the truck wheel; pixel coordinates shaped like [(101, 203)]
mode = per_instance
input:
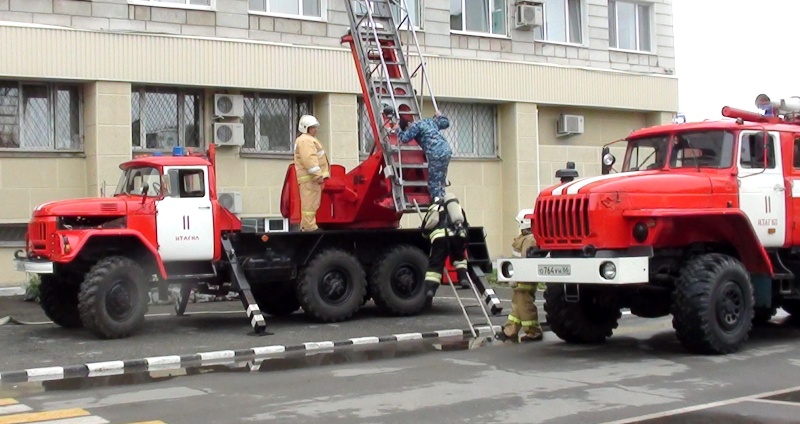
[(397, 283), (332, 286), (59, 300), (113, 297), (276, 299), (583, 321), (712, 305)]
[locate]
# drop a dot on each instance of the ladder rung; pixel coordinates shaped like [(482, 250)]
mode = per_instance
[(412, 165), (415, 183)]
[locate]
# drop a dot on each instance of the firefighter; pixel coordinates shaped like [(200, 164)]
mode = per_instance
[(445, 226), (524, 314), (437, 150), (312, 168)]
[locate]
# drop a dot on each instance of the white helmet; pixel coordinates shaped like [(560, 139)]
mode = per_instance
[(524, 223), (306, 122)]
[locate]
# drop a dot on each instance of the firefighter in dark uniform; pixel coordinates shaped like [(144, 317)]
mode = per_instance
[(445, 226)]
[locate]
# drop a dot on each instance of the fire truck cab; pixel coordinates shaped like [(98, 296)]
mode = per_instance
[(699, 222)]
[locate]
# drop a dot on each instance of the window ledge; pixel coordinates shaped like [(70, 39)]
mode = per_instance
[(40, 154), (287, 16), (475, 158), (173, 5), (562, 43), (270, 155), (480, 34), (12, 244), (641, 52)]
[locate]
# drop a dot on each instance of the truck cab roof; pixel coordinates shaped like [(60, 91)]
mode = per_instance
[(160, 161)]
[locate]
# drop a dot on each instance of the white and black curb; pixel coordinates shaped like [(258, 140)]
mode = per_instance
[(160, 363)]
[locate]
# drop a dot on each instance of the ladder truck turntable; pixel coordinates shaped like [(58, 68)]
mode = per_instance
[(701, 222), (98, 258)]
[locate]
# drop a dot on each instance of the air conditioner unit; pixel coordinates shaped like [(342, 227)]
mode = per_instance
[(529, 16), (276, 225), (570, 124), (231, 200), (229, 105), (228, 134)]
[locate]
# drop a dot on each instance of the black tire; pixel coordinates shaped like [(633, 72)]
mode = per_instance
[(712, 306), (276, 299), (113, 298), (59, 300), (581, 322), (332, 286), (397, 281), (791, 306)]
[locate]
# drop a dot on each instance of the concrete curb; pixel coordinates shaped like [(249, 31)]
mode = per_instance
[(170, 362), (12, 291)]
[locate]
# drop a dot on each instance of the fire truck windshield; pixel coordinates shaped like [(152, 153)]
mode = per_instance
[(703, 149), (132, 180), (646, 153)]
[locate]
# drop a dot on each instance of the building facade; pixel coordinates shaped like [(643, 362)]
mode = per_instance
[(88, 84)]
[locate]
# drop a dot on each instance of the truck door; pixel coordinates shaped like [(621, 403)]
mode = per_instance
[(762, 188), (793, 176), (184, 218)]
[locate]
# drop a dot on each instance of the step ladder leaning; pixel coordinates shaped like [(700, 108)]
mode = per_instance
[(388, 82), (477, 329)]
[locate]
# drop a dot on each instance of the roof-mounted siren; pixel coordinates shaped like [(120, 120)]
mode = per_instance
[(770, 107)]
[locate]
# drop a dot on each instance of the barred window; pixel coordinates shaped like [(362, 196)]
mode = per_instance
[(169, 116), (40, 116), (473, 129), (366, 139), (270, 121), (13, 235)]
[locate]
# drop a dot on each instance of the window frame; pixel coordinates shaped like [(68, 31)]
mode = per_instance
[(582, 13), (52, 96), (473, 107), (159, 3), (323, 11), (420, 7), (293, 120), (488, 3), (613, 30), (773, 143), (181, 92)]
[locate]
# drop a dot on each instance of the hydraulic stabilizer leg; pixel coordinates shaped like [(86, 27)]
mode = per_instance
[(248, 301)]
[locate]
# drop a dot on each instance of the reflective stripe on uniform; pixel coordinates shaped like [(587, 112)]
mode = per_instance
[(515, 320), (530, 323), (326, 175), (321, 153), (435, 234), (314, 169), (433, 276), (305, 178), (460, 264), (525, 286), (309, 213)]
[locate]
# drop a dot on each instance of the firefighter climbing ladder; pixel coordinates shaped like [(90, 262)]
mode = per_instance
[(387, 81)]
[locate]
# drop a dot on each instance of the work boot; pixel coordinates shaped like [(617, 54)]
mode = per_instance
[(430, 288), (462, 278), (534, 335), (503, 337)]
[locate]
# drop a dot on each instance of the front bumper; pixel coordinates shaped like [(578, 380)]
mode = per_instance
[(629, 270), (32, 266)]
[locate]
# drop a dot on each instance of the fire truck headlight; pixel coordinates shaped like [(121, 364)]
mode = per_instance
[(507, 269), (609, 159), (608, 270)]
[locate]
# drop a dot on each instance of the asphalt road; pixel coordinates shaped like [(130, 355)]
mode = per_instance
[(641, 372), (211, 327)]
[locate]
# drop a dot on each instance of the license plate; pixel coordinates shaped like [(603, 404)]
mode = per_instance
[(555, 270)]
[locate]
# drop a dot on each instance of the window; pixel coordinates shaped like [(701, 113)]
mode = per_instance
[(756, 150), (706, 149), (187, 4), (40, 117), (473, 129), (480, 16), (562, 22), (629, 25), (306, 8), (189, 183), (132, 181), (270, 121), (13, 235), (366, 138), (162, 118), (412, 10), (796, 154), (645, 153)]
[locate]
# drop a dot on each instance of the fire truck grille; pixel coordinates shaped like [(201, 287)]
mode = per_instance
[(37, 231), (563, 219)]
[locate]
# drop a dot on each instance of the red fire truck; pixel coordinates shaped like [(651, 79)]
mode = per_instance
[(700, 221)]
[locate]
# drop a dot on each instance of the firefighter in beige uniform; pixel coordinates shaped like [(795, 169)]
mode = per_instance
[(312, 170), (524, 314)]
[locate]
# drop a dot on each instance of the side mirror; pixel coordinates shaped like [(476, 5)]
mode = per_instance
[(608, 160), (145, 190)]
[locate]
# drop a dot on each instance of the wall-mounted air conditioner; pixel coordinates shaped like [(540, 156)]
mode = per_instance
[(228, 134), (231, 200), (528, 16), (229, 105), (569, 125)]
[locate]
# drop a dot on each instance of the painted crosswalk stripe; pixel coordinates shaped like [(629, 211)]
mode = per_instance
[(32, 417), (8, 401), (13, 409)]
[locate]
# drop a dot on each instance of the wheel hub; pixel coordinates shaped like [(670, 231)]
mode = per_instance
[(334, 287), (730, 306), (119, 301), (404, 281)]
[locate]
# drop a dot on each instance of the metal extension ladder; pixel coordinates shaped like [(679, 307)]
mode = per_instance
[(388, 82), (245, 294), (479, 304)]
